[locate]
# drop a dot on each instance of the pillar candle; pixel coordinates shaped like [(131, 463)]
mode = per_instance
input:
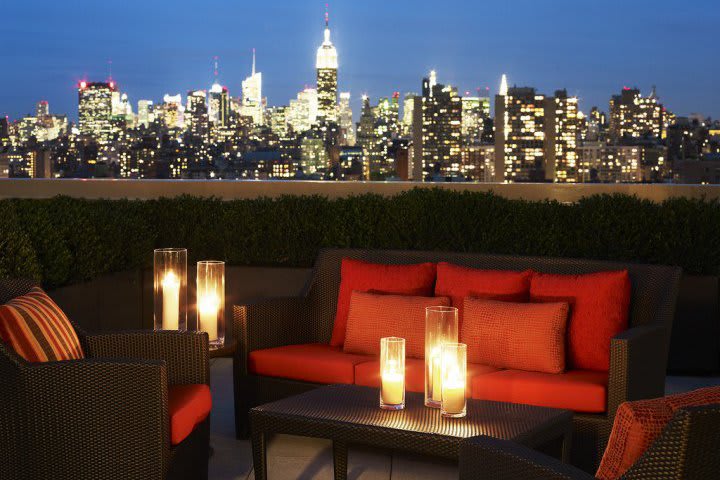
[(208, 306), (393, 385), (171, 301)]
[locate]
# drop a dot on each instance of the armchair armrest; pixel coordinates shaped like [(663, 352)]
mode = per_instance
[(184, 353), (490, 458), (273, 323), (638, 364), (81, 419)]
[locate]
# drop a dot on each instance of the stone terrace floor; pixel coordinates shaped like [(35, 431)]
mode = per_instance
[(308, 458)]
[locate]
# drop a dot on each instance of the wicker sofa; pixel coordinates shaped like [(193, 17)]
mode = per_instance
[(105, 416), (686, 450), (638, 355)]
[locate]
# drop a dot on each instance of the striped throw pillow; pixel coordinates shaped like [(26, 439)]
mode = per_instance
[(37, 329)]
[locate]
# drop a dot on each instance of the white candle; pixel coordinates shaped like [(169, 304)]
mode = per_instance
[(208, 307), (171, 301), (453, 393), (393, 386), (435, 365)]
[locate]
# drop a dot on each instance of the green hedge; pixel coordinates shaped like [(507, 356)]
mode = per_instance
[(64, 240)]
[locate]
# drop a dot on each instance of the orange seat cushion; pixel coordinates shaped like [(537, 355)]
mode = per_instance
[(521, 336), (189, 406), (638, 424), (356, 275), (37, 329), (367, 374), (373, 316), (315, 362), (576, 390), (599, 310), (459, 282)]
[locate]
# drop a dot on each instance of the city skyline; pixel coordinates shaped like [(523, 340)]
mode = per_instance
[(17, 100)]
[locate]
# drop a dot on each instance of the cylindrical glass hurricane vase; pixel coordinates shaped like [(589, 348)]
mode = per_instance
[(170, 288), (211, 301), (454, 380), (392, 373), (441, 326)]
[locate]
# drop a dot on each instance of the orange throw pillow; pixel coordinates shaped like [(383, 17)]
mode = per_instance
[(37, 329), (356, 275), (519, 336), (599, 310), (373, 317), (459, 282), (638, 424)]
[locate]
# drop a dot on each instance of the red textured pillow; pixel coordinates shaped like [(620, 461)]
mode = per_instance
[(356, 275), (599, 310), (374, 316), (459, 282), (638, 424), (520, 336)]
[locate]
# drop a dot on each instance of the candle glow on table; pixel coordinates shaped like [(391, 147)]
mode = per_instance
[(171, 301), (436, 377), (454, 383), (208, 307), (441, 327), (392, 373)]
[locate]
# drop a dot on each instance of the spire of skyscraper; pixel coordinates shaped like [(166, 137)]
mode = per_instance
[(327, 66), (503, 86), (253, 65)]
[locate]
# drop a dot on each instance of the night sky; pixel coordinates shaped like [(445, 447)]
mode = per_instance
[(592, 48)]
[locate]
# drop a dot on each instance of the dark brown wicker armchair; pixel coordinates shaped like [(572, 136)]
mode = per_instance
[(686, 450), (638, 356), (103, 417)]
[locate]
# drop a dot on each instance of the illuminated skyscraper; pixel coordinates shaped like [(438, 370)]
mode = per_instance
[(196, 118), (519, 135), (173, 111), (345, 114), (95, 109), (219, 105), (327, 77), (388, 111), (146, 114), (303, 111), (42, 109), (441, 128), (562, 130), (634, 116), (252, 101), (474, 112), (406, 126)]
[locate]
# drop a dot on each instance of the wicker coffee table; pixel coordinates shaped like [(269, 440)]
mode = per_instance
[(349, 414)]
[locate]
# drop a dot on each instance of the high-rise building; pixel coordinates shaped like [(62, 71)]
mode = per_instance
[(345, 120), (388, 112), (42, 109), (252, 100), (562, 125), (327, 76), (146, 114), (441, 128), (95, 109), (303, 111), (196, 113), (406, 126), (173, 112), (519, 135), (635, 116), (219, 105), (366, 137), (474, 112)]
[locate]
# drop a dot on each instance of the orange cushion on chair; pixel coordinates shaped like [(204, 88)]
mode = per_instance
[(189, 406), (37, 329), (367, 374), (372, 317), (459, 282), (314, 362), (521, 336), (356, 275), (599, 310), (577, 390), (639, 423)]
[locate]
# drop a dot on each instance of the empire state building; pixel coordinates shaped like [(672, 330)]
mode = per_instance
[(327, 67)]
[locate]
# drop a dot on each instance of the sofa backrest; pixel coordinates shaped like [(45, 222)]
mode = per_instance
[(654, 287)]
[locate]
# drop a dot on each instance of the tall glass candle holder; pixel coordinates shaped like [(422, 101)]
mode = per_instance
[(441, 326), (170, 288), (392, 373), (211, 301), (454, 380)]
